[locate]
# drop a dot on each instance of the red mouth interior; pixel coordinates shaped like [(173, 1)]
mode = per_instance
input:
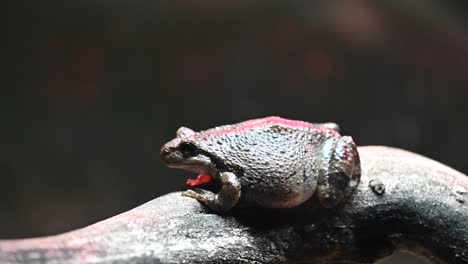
[(201, 179)]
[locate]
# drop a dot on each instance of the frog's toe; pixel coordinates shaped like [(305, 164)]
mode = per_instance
[(199, 194)]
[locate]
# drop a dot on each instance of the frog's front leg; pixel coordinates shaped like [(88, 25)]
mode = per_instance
[(222, 201), (340, 173)]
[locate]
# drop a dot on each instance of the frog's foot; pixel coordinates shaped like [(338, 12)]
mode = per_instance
[(222, 201), (199, 194)]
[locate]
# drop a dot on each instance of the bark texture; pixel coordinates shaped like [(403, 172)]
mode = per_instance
[(404, 200)]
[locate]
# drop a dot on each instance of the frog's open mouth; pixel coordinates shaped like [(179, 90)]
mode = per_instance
[(206, 166), (206, 176), (204, 181), (200, 180)]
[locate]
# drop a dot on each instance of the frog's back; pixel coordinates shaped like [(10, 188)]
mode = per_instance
[(271, 121)]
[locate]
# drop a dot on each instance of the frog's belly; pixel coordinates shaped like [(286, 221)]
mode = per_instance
[(277, 195)]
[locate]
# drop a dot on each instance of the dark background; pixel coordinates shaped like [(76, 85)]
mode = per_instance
[(93, 89)]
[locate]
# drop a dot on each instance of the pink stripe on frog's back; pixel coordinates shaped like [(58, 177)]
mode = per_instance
[(272, 120)]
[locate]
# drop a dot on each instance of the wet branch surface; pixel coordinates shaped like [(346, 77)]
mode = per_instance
[(404, 200)]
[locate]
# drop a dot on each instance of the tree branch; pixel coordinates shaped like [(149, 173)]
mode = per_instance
[(423, 207)]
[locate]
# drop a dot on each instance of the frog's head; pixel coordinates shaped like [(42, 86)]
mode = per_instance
[(192, 151)]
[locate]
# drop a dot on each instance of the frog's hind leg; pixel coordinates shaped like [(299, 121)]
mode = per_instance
[(222, 201), (341, 172)]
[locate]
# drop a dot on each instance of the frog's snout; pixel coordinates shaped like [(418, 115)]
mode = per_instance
[(165, 154), (168, 149), (164, 151)]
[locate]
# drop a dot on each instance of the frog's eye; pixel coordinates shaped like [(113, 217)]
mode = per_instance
[(188, 149)]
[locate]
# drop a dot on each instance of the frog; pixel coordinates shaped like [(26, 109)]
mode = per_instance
[(269, 162)]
